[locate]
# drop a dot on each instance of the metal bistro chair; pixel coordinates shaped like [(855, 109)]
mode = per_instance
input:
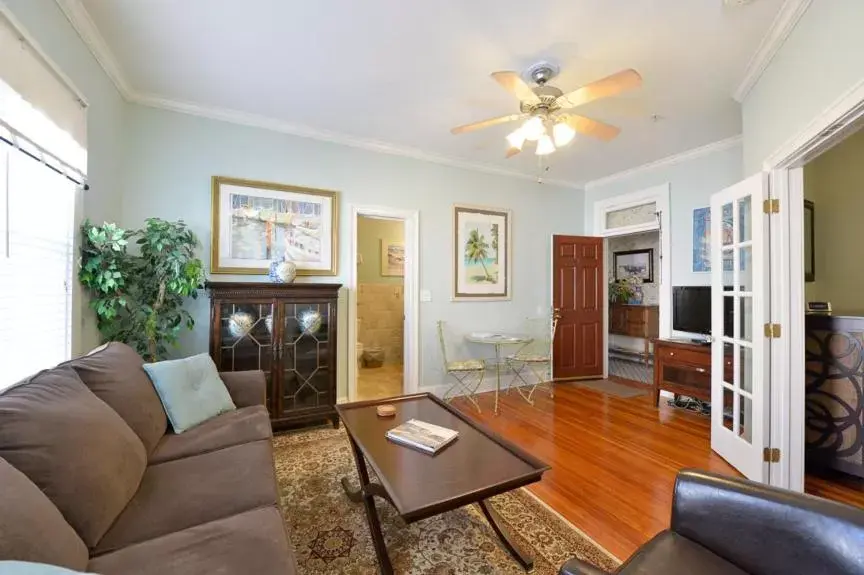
[(467, 373), (534, 359)]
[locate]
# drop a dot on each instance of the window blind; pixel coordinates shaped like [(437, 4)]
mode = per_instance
[(43, 160), (35, 101), (35, 266)]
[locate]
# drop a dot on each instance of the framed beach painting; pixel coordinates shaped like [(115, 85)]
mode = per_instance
[(255, 223), (392, 258), (482, 246)]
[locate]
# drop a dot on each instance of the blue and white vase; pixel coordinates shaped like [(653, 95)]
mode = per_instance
[(282, 271)]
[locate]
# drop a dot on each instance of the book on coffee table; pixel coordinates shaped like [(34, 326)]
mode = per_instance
[(426, 437)]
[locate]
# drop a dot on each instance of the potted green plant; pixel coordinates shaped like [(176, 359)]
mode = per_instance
[(138, 298), (620, 292)]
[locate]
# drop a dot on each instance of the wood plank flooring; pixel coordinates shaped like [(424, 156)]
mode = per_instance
[(614, 460)]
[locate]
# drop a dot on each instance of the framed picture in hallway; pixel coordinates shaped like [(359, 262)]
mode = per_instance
[(482, 245), (255, 223), (634, 264)]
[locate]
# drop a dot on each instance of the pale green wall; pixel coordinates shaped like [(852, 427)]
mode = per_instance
[(835, 183), (47, 24), (171, 158), (819, 62), (370, 233), (691, 184)]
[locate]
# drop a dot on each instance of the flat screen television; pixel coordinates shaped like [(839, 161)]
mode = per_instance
[(691, 310)]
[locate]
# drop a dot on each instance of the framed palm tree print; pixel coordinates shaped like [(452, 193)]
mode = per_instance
[(482, 245)]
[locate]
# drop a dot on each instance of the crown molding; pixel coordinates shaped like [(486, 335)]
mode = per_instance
[(80, 19), (787, 18), (281, 126), (685, 156)]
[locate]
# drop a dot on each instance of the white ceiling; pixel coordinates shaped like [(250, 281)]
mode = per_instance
[(402, 73)]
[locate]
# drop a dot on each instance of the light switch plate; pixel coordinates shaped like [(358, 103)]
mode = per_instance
[(425, 295)]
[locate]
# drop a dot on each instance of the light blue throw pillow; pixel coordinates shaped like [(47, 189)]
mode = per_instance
[(190, 389), (27, 568)]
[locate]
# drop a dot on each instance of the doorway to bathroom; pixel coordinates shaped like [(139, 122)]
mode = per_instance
[(380, 306), (383, 304)]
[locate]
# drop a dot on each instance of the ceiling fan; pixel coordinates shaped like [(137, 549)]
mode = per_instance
[(545, 109)]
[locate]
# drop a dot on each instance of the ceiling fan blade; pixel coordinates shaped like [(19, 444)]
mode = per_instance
[(608, 86), (513, 83), (512, 152), (591, 127), (486, 123)]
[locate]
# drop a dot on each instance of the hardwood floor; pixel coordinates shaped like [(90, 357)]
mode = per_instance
[(614, 460)]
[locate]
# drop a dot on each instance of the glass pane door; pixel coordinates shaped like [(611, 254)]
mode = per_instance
[(739, 374), (306, 356)]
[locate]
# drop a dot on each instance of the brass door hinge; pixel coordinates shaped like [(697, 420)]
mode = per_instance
[(771, 455), (771, 206), (772, 330)]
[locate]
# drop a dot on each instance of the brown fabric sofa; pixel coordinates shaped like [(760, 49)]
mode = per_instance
[(93, 479)]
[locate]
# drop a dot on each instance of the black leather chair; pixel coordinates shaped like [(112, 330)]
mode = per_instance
[(731, 526)]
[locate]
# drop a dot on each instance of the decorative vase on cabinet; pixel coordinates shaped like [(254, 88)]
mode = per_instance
[(289, 332)]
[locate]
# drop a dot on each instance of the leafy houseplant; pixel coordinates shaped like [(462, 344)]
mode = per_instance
[(138, 299), (620, 292)]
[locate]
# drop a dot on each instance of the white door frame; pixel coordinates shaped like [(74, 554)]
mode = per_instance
[(660, 196), (785, 166), (411, 287)]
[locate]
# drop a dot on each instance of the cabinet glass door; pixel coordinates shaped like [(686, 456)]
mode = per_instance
[(306, 356), (246, 338)]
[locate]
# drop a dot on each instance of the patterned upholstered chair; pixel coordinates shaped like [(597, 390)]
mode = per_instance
[(532, 363), (466, 374)]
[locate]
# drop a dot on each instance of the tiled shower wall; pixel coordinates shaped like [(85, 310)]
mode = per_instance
[(380, 319)]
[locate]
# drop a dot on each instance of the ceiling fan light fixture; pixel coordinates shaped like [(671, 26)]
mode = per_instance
[(516, 138), (545, 146), (533, 128), (562, 133)]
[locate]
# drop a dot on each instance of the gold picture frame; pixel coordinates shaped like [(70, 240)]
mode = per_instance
[(316, 255)]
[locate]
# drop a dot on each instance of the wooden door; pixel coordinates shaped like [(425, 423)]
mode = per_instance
[(577, 296)]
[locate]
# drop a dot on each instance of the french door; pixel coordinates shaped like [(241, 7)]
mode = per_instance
[(740, 312)]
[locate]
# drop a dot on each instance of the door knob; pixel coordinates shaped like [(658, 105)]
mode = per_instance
[(556, 313)]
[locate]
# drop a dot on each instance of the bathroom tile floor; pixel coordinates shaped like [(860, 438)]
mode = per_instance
[(378, 382)]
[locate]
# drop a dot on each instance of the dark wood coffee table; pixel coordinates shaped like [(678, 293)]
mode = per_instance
[(478, 465)]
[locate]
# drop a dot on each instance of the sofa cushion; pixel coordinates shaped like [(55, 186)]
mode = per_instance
[(114, 373), (29, 568), (249, 542), (190, 389), (179, 494), (233, 428), (74, 447), (32, 528), (672, 554)]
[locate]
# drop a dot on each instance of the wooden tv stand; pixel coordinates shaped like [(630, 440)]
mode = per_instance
[(684, 368)]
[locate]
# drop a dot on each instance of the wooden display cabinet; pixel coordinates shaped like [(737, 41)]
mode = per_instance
[(288, 331)]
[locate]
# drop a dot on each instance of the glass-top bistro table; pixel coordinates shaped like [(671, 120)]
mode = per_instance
[(498, 340)]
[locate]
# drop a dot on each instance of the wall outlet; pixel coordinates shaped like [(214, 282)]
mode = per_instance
[(425, 295)]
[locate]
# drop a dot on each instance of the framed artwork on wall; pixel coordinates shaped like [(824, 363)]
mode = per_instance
[(392, 258), (255, 223), (637, 264), (702, 238), (809, 241), (482, 246)]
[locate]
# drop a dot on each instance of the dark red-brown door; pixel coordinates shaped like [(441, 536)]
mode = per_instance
[(577, 296)]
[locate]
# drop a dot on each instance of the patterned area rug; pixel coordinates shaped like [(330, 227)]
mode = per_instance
[(330, 533)]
